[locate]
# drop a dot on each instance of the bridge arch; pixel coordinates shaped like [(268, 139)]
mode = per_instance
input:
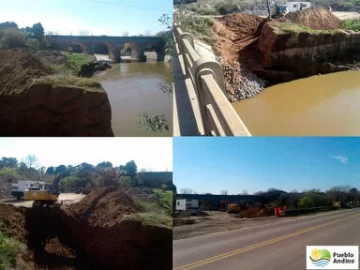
[(130, 49), (80, 44)]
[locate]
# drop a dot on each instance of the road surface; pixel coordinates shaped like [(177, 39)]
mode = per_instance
[(67, 198), (281, 245)]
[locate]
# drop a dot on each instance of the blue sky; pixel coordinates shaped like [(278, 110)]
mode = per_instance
[(259, 163), (99, 17), (153, 154)]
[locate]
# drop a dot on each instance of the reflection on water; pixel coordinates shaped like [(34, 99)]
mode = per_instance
[(133, 88), (327, 105)]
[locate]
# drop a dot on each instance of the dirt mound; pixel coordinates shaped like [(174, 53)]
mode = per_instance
[(190, 213), (30, 106), (103, 207), (23, 68), (12, 222), (254, 212), (317, 18), (234, 32), (51, 56)]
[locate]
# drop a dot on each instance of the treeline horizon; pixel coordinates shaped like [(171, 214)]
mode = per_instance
[(106, 174), (345, 196)]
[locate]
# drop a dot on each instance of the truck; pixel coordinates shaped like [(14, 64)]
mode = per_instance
[(296, 6), (18, 189)]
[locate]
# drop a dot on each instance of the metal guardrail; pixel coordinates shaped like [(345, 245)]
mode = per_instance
[(217, 116)]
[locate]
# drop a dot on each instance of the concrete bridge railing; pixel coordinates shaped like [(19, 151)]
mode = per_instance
[(217, 116)]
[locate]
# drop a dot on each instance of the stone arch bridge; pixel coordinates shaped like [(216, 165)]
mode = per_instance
[(114, 44)]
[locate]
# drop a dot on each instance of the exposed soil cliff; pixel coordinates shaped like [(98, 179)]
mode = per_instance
[(92, 234), (255, 52), (30, 106), (319, 47)]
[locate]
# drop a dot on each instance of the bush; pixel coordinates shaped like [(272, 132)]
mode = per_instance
[(9, 249), (75, 61), (10, 174), (12, 38), (198, 26), (33, 43), (352, 24), (62, 80)]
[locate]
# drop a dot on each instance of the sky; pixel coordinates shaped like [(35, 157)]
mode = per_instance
[(99, 17), (153, 154), (210, 165)]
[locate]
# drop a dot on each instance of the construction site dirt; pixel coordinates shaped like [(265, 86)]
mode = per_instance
[(251, 48), (187, 227), (93, 233)]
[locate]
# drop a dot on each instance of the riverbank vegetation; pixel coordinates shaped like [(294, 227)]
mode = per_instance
[(11, 36), (62, 80)]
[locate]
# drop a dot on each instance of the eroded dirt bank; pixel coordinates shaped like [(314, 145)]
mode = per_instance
[(91, 234), (256, 53), (31, 106)]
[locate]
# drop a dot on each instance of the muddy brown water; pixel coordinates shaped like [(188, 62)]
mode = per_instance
[(326, 105), (133, 88)]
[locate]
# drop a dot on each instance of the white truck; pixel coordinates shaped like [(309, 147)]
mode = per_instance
[(18, 189), (296, 6)]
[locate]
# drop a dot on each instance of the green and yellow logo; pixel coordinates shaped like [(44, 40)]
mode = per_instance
[(320, 257)]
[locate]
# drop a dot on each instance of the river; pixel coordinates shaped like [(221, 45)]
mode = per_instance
[(133, 89), (327, 105)]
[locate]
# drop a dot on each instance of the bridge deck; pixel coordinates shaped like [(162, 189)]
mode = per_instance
[(186, 104)]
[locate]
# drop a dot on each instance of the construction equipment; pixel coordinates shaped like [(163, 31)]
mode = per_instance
[(276, 9), (47, 195), (233, 208)]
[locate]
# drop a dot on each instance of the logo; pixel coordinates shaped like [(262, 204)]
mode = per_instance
[(332, 257), (320, 257)]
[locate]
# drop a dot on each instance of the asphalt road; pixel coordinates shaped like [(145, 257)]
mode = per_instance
[(280, 245)]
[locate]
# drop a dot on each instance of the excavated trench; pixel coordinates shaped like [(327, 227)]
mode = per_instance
[(63, 239)]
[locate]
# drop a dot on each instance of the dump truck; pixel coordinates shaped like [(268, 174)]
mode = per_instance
[(48, 195)]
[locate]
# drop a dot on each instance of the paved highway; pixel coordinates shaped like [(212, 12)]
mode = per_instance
[(280, 245)]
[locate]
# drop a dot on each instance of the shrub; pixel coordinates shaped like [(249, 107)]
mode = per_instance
[(353, 24), (12, 38), (198, 26), (33, 43), (10, 174), (9, 249)]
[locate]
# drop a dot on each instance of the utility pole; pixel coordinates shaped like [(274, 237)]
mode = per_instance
[(269, 8)]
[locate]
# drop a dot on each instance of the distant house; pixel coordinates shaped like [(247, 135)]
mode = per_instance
[(216, 202), (186, 204), (296, 6)]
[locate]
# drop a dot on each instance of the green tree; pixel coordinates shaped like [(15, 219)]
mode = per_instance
[(50, 170), (131, 168), (60, 169), (12, 38), (37, 31), (313, 198), (8, 25), (104, 164), (31, 161)]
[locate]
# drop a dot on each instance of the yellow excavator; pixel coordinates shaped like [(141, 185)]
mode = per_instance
[(48, 195)]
